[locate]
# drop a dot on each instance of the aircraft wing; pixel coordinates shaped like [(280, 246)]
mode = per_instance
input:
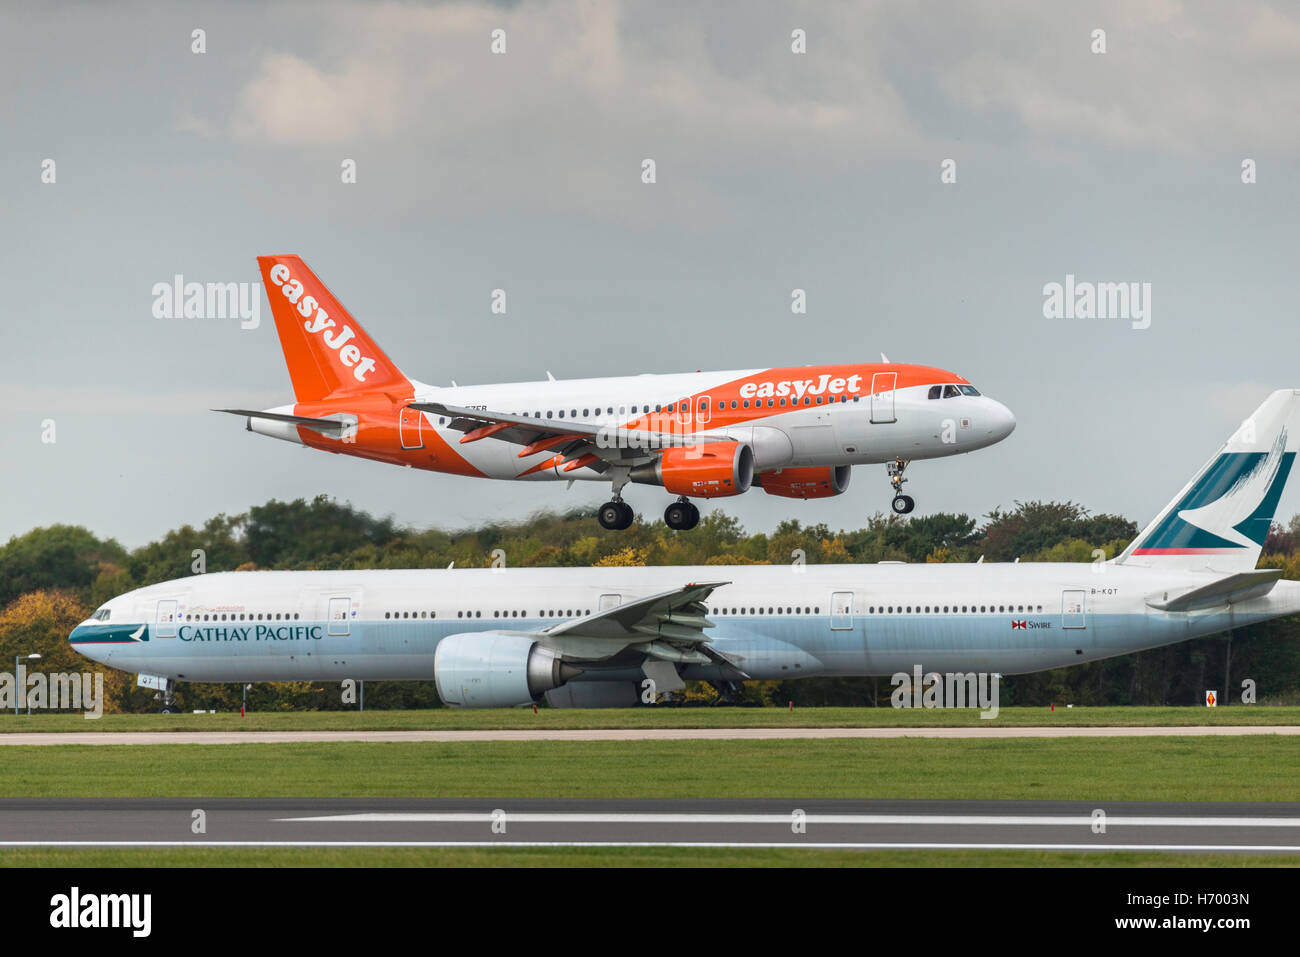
[(1235, 587), (595, 446), (668, 626)]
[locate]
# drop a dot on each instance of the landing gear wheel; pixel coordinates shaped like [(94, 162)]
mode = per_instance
[(170, 709), (615, 516), (681, 516), (902, 504), (609, 515)]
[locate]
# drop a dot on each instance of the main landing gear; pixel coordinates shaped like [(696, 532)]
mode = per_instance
[(902, 504), (681, 516), (616, 515)]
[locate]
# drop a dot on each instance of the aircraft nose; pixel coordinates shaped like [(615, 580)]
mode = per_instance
[(81, 640), (1003, 420), (87, 640)]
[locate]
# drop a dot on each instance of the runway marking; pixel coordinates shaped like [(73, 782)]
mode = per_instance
[(1082, 820), (27, 738), (818, 845)]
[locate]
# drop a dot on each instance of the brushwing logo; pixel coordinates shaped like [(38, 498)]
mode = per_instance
[(1229, 508)]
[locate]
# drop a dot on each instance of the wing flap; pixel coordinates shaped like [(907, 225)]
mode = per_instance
[(610, 443)]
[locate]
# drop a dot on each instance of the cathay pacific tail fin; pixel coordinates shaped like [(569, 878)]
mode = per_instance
[(1221, 517)]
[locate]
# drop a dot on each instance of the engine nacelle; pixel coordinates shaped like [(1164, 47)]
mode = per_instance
[(707, 470), (491, 669), (821, 482)]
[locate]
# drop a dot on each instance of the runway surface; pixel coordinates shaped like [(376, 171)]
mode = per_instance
[(476, 822), (619, 734)]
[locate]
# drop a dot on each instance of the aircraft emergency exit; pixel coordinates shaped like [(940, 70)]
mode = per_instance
[(592, 636), (793, 432)]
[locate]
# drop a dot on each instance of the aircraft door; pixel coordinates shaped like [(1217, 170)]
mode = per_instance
[(841, 611), (339, 616), (410, 426), (1074, 612), (882, 396), (165, 619), (609, 601)]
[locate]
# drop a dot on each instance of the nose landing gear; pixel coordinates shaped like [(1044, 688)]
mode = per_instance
[(902, 504), (681, 515), (167, 694)]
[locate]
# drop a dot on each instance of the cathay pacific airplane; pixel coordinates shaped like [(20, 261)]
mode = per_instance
[(793, 432), (592, 636)]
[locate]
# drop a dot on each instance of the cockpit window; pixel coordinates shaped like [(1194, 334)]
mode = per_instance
[(102, 614), (935, 391), (969, 390), (950, 392)]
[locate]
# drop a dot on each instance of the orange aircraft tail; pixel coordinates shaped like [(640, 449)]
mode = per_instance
[(327, 351)]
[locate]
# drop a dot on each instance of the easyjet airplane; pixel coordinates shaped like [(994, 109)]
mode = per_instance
[(794, 432)]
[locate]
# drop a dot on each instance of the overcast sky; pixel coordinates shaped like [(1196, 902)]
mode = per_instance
[(522, 171)]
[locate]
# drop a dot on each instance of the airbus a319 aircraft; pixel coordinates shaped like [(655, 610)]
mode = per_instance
[(794, 432), (590, 636)]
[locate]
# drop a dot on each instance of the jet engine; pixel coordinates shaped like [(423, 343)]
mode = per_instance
[(492, 669), (707, 470), (820, 482)]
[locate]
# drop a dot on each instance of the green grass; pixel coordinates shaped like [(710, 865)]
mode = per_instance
[(448, 719), (1115, 769), (608, 857)]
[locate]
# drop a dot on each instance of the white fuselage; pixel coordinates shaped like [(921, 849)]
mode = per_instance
[(771, 622), (803, 423)]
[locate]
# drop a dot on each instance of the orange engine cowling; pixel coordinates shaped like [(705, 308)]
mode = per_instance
[(821, 482), (708, 470)]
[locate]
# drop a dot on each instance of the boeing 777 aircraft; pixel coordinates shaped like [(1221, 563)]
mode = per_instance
[(588, 637), (794, 432)]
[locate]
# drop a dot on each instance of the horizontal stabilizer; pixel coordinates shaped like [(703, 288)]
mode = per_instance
[(1228, 590), (332, 427)]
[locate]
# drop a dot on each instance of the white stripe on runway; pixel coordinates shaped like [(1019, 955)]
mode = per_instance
[(821, 845), (1082, 820), (622, 734)]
